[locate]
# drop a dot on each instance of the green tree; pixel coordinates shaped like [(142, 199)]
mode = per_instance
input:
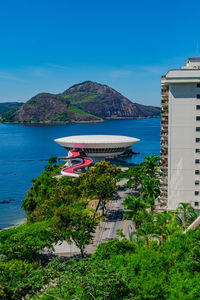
[(38, 193), (146, 232), (113, 247), (75, 224), (161, 224), (66, 191), (150, 190), (100, 183), (52, 160), (186, 214), (26, 241), (19, 278), (151, 166), (133, 176), (136, 208)]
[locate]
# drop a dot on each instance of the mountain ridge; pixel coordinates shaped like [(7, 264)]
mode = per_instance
[(84, 102)]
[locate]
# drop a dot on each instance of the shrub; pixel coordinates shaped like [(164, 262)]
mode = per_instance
[(18, 278), (26, 241), (111, 248)]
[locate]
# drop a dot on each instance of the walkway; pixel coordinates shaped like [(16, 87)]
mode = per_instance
[(107, 227)]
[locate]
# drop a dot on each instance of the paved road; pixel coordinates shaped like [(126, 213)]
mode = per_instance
[(107, 228)]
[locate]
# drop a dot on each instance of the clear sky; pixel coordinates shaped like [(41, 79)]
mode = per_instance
[(48, 45)]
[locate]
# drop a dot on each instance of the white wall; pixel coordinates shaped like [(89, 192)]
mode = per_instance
[(182, 144)]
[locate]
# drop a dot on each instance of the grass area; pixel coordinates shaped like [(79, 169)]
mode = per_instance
[(77, 110), (59, 117), (82, 97), (73, 95)]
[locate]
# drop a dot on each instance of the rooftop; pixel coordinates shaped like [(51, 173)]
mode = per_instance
[(192, 63), (190, 73), (96, 139)]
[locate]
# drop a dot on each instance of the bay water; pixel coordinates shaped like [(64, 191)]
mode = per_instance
[(25, 150)]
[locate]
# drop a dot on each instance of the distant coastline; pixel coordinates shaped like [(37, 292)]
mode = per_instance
[(16, 224), (78, 122), (86, 102)]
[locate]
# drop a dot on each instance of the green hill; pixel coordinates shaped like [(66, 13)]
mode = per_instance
[(85, 102)]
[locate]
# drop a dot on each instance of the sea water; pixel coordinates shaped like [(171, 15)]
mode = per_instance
[(25, 150)]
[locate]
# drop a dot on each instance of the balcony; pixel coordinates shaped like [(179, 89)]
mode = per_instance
[(163, 184), (165, 95), (163, 136), (164, 168), (164, 142), (164, 131), (164, 104), (163, 201), (164, 147), (164, 110), (163, 160), (164, 152), (164, 157), (164, 165), (164, 124)]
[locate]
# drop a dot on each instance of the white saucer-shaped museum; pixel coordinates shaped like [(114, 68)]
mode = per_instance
[(94, 147)]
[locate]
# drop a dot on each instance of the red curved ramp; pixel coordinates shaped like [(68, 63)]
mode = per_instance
[(70, 171), (74, 154)]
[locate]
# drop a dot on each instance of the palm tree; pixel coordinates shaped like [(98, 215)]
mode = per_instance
[(186, 215), (161, 224), (135, 209), (146, 232), (150, 190), (151, 165)]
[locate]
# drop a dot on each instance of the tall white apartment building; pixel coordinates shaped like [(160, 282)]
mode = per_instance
[(180, 136)]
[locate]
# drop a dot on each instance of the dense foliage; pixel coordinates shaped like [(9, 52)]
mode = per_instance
[(168, 271), (48, 193), (25, 242), (158, 262), (19, 278)]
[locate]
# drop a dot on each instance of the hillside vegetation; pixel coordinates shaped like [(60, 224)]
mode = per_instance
[(7, 109), (85, 102)]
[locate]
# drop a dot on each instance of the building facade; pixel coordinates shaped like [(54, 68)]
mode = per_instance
[(180, 136)]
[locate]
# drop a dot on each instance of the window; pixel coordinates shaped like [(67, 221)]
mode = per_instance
[(197, 161), (197, 151), (197, 172), (196, 203), (197, 107), (198, 96), (197, 140), (197, 128), (196, 182), (198, 84), (196, 193), (198, 118)]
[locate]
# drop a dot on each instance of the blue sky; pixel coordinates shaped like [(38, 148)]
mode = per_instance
[(46, 46)]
